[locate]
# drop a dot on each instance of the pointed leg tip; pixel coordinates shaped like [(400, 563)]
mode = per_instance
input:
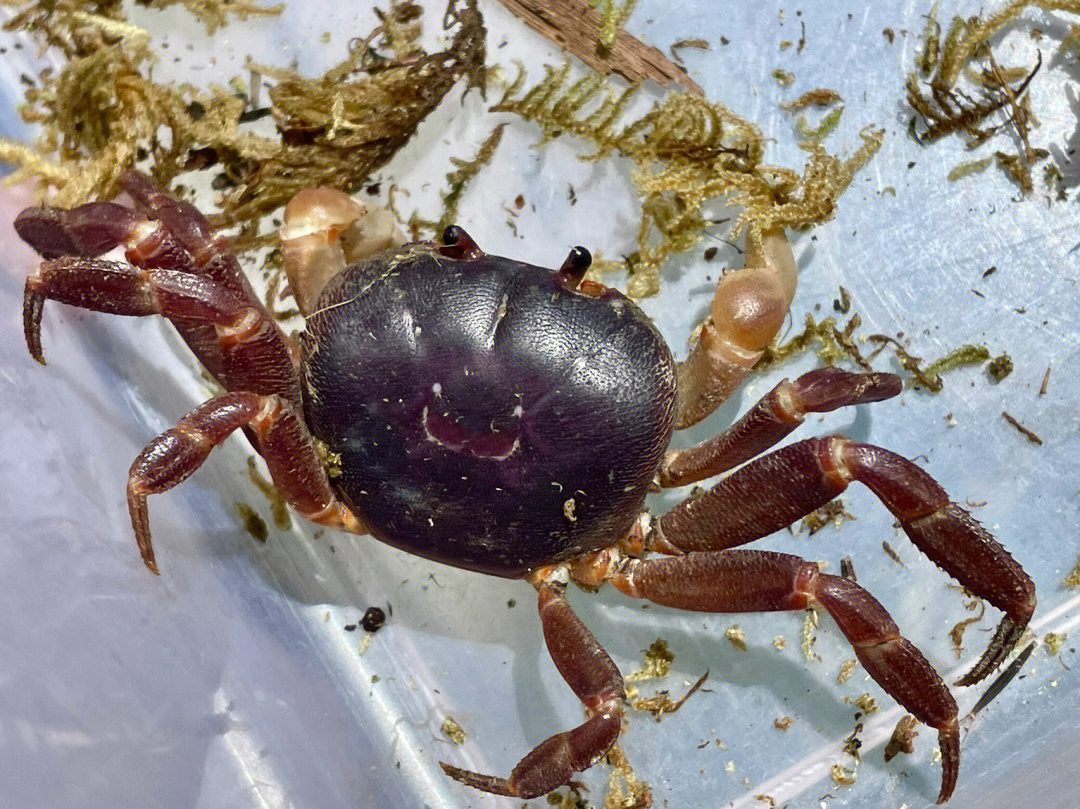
[(485, 783), (949, 744), (1001, 646)]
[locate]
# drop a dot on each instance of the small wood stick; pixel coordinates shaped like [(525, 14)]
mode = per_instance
[(574, 25)]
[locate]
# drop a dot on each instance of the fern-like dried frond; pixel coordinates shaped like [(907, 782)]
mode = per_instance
[(688, 153)]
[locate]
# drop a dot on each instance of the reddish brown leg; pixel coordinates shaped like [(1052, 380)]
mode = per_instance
[(784, 486), (89, 230), (251, 353), (759, 581), (185, 225), (773, 418), (592, 675), (776, 490), (291, 454)]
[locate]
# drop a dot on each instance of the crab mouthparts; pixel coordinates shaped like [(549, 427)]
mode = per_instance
[(497, 445)]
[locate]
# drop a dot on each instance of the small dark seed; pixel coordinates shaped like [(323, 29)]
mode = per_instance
[(373, 619)]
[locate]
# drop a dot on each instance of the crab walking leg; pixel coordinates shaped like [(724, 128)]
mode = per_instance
[(748, 309), (181, 242), (592, 675), (88, 230), (291, 454), (774, 417), (760, 581), (252, 353), (775, 490), (184, 224)]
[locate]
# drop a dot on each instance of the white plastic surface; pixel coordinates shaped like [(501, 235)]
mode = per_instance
[(230, 681)]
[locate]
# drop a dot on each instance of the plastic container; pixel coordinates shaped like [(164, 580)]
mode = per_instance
[(232, 681)]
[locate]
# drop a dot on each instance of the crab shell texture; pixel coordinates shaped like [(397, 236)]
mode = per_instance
[(482, 413)]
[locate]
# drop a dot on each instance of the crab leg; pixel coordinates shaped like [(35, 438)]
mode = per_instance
[(292, 456), (592, 675), (760, 581), (183, 224), (180, 241), (773, 418), (250, 351), (775, 490), (748, 309)]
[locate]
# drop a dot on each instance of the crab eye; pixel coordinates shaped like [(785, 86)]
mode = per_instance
[(452, 235), (575, 266)]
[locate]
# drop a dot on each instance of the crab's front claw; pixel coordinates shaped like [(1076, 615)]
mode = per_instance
[(748, 309)]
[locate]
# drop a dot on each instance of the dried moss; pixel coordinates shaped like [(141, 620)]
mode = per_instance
[(103, 110), (834, 345), (657, 662), (457, 181), (613, 15), (688, 153), (958, 86)]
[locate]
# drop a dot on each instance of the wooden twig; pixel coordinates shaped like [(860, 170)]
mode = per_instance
[(574, 26)]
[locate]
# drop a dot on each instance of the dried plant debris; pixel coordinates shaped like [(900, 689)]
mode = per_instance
[(891, 553), (1053, 641), (279, 510), (814, 134), (577, 27), (215, 13), (834, 344), (613, 15), (956, 634), (657, 662), (847, 668), (903, 738), (736, 636), (661, 703), (253, 523), (625, 790), (782, 722), (866, 703), (841, 776), (1020, 428), (959, 87), (1073, 578), (452, 730), (808, 636), (457, 181), (821, 97), (832, 513), (852, 743), (689, 153), (102, 111)]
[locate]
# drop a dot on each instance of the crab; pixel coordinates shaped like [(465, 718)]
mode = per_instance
[(508, 419)]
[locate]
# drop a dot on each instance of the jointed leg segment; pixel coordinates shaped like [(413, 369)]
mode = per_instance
[(759, 581), (291, 455), (592, 675), (178, 269), (777, 489)]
